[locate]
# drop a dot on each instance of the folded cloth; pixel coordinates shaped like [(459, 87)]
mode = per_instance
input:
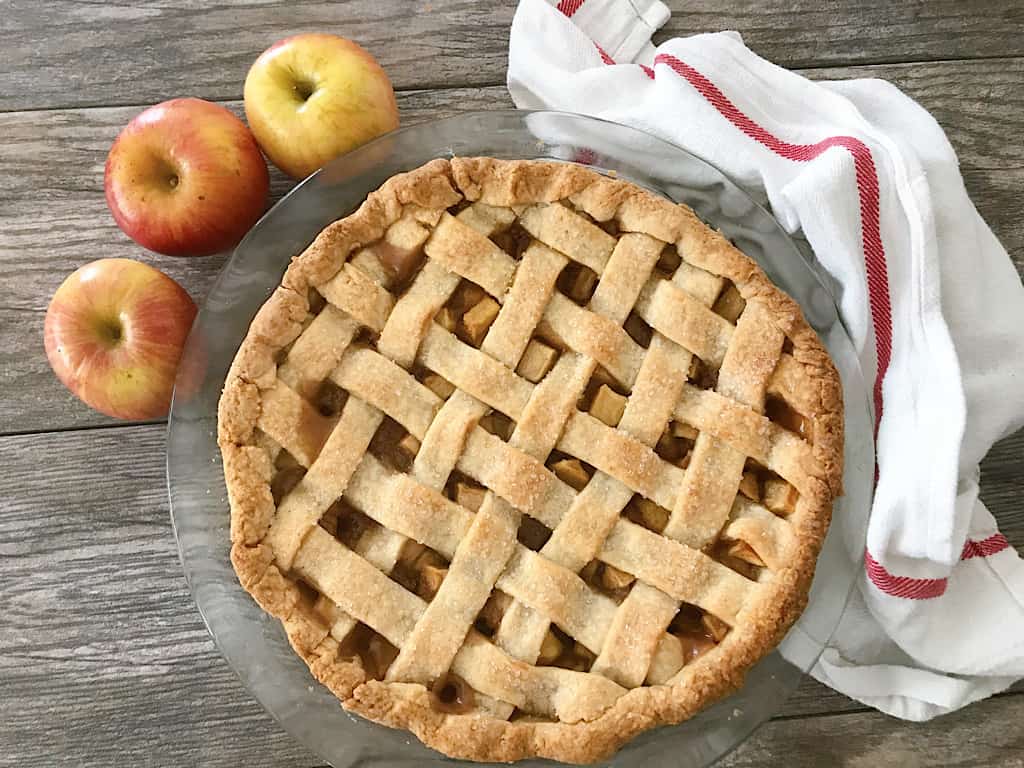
[(927, 293)]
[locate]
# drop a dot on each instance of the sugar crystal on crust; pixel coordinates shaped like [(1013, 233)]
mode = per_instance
[(528, 460)]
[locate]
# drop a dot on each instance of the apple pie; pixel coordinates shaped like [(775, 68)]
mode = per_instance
[(527, 459)]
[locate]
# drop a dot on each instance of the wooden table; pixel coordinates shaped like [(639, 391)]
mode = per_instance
[(103, 658)]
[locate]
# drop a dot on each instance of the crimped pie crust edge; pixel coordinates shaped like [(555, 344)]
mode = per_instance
[(248, 470)]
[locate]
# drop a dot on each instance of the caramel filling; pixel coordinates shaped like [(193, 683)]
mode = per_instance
[(453, 695), (698, 632), (779, 411)]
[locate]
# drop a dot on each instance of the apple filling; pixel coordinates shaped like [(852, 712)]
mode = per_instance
[(468, 311)]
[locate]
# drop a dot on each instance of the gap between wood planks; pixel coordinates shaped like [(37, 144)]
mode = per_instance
[(936, 84), (238, 98), (848, 713), (803, 68), (83, 428)]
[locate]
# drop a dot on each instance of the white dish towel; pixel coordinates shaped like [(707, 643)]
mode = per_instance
[(932, 301)]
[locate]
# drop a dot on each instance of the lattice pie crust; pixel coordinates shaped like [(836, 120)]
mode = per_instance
[(528, 460)]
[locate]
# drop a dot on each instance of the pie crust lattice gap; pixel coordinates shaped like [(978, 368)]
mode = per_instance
[(528, 459)]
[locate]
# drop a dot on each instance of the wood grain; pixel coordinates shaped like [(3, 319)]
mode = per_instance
[(104, 640), (1002, 477), (986, 734), (53, 216), (103, 657), (806, 33), (131, 53), (78, 54)]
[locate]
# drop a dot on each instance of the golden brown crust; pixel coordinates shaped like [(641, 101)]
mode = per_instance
[(248, 463)]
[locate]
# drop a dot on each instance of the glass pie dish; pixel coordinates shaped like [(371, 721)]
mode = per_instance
[(254, 643)]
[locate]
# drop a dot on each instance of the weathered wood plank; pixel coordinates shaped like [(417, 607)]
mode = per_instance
[(103, 657), (1002, 486), (972, 101), (985, 734), (132, 672), (53, 216), (811, 34), (104, 639), (996, 193), (76, 54)]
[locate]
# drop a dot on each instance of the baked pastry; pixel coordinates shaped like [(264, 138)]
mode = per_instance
[(528, 460)]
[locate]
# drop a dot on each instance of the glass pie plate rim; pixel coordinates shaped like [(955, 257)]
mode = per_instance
[(254, 644)]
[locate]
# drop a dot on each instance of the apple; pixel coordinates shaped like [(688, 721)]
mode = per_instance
[(186, 178), (312, 97), (114, 332)]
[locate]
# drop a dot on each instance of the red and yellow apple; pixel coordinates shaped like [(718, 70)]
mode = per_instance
[(114, 333), (312, 97), (186, 178)]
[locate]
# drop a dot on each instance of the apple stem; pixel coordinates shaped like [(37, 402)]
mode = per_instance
[(304, 89), (112, 331)]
